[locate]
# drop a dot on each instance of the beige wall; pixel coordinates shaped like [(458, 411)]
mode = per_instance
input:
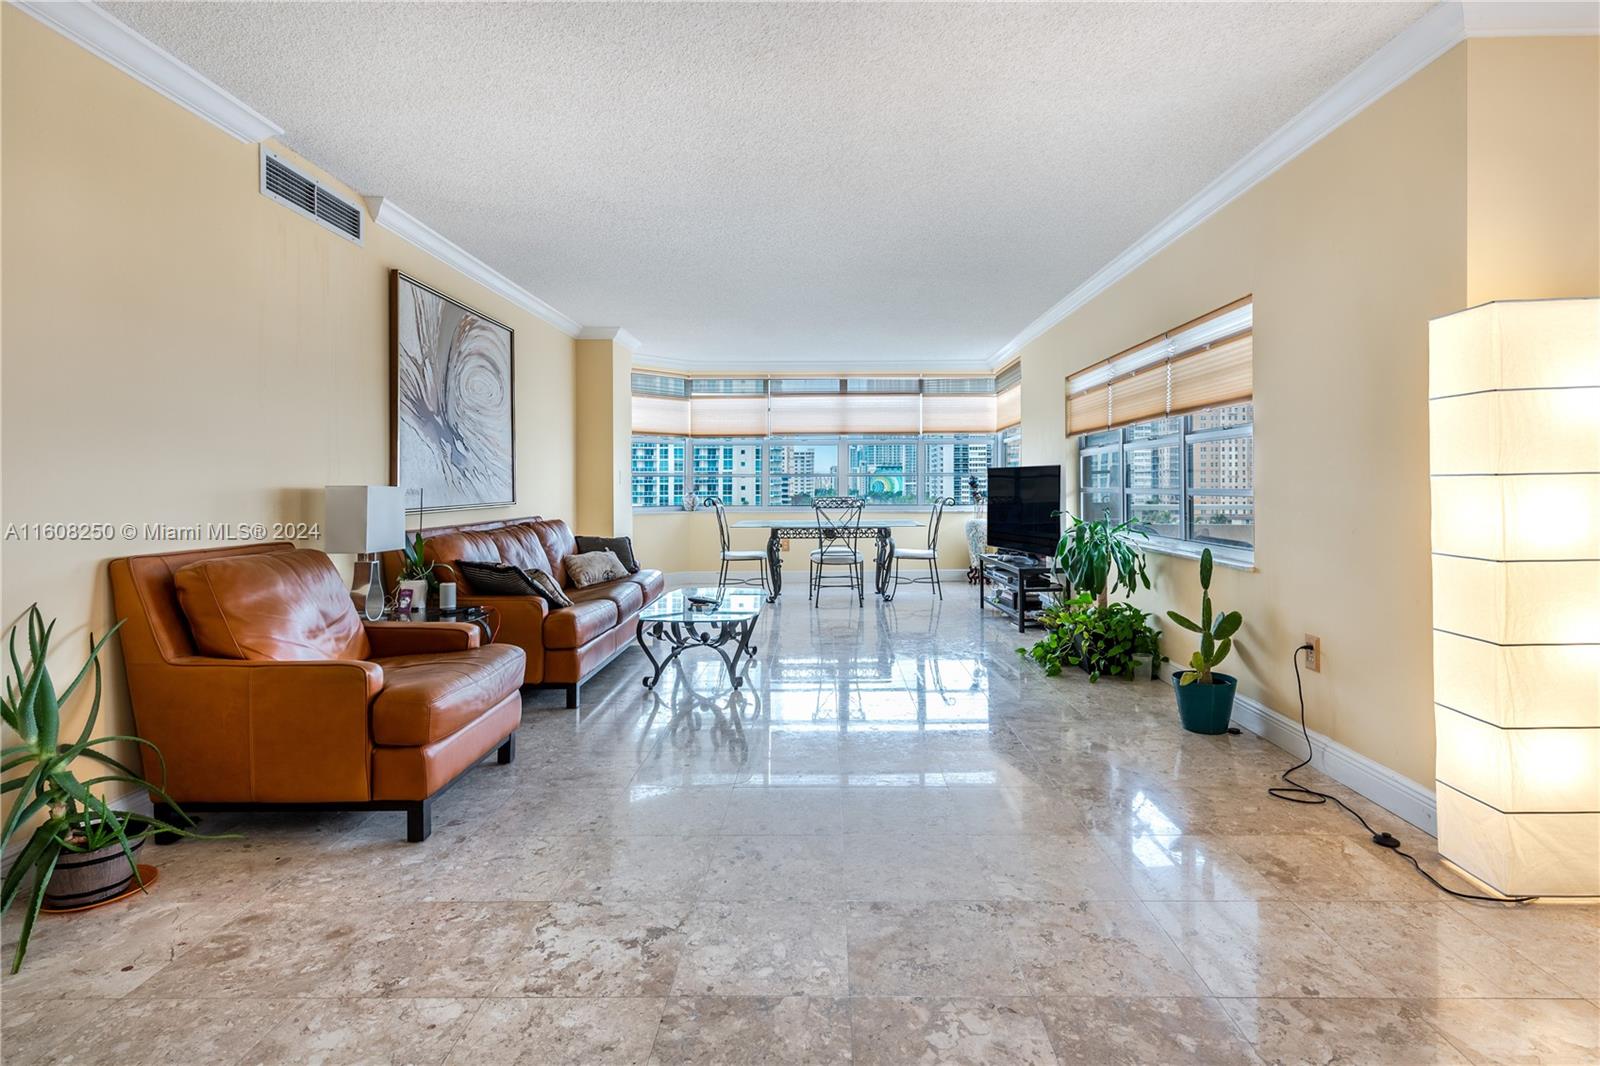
[(1533, 168), (177, 348), (604, 435), (1474, 180), (679, 541)]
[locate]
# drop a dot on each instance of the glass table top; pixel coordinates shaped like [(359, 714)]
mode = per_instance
[(734, 605)]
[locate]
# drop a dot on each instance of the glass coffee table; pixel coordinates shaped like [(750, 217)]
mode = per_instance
[(674, 621)]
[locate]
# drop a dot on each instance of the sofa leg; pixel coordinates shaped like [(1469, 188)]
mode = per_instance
[(507, 752), (419, 821), (164, 812), (572, 697)]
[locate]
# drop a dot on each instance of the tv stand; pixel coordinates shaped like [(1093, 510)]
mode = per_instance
[(1016, 585)]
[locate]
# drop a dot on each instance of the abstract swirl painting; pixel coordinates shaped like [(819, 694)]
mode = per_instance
[(454, 437)]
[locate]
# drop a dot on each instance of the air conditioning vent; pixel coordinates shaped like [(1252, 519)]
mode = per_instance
[(285, 184)]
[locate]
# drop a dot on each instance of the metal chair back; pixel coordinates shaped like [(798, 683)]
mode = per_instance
[(838, 517), (722, 521), (934, 518)]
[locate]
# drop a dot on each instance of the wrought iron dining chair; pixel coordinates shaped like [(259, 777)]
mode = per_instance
[(838, 527), (930, 554), (730, 556)]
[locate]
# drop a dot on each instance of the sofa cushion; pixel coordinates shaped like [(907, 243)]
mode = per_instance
[(280, 606), (494, 579), (519, 545), (470, 545), (426, 698), (621, 547), (548, 588), (556, 538), (594, 568), (575, 626), (626, 594), (654, 583)]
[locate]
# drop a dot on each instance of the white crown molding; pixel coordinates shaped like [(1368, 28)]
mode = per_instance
[(615, 334), (108, 37), (1435, 33), (394, 218)]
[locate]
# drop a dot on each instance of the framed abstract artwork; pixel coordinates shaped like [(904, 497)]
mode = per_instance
[(453, 430)]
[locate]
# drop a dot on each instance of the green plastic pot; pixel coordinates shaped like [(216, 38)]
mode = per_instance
[(1206, 708)]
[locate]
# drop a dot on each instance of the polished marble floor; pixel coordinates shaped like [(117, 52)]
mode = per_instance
[(906, 847)]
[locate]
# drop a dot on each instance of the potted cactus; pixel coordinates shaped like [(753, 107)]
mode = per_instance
[(1205, 697)]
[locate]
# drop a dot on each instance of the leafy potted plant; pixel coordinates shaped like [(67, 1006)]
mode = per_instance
[(1107, 639), (73, 852), (416, 572), (1099, 558), (1205, 698)]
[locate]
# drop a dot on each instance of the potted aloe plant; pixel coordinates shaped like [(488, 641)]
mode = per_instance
[(82, 851), (1205, 697)]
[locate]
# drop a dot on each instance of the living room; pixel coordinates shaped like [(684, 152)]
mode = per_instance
[(543, 503)]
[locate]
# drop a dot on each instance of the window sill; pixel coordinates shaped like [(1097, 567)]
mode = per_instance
[(1232, 560)]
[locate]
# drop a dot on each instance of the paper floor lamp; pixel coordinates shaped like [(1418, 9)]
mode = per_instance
[(1514, 441)]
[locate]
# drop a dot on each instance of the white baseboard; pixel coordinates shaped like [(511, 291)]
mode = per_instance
[(1392, 791)]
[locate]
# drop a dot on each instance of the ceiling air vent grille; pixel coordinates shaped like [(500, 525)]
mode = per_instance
[(288, 186)]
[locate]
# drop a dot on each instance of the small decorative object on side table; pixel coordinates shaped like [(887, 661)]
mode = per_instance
[(421, 613)]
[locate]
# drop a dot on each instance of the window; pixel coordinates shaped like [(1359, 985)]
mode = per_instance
[(1186, 480), (1010, 446), (783, 442), (657, 472), (729, 470)]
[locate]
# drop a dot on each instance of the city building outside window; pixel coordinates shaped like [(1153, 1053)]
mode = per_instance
[(1188, 481), (887, 471)]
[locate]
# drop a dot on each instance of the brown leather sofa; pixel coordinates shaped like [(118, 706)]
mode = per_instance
[(565, 645), (251, 671)]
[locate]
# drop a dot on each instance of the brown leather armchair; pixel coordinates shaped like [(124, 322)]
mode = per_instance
[(251, 671)]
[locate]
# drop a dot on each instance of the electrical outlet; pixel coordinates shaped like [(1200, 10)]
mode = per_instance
[(1314, 656), (783, 545)]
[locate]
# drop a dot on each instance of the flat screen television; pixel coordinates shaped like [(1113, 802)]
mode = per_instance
[(1023, 501)]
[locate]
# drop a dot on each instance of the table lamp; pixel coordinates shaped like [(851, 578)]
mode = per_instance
[(1514, 437), (363, 520)]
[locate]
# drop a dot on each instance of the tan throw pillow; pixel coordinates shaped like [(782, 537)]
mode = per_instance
[(591, 568), (549, 588)]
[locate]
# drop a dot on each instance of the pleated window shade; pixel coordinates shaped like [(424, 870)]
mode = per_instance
[(1008, 407), (942, 413), (1206, 363), (728, 416), (661, 415), (845, 413)]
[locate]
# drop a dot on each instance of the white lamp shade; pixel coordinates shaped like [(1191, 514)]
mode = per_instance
[(1514, 440), (364, 518), (1536, 516), (1518, 687)]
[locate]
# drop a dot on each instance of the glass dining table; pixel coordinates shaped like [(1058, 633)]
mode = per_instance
[(779, 530)]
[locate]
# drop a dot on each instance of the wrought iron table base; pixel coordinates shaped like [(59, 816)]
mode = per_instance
[(881, 557), (716, 635)]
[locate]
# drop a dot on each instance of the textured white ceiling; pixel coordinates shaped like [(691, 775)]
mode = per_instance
[(782, 184)]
